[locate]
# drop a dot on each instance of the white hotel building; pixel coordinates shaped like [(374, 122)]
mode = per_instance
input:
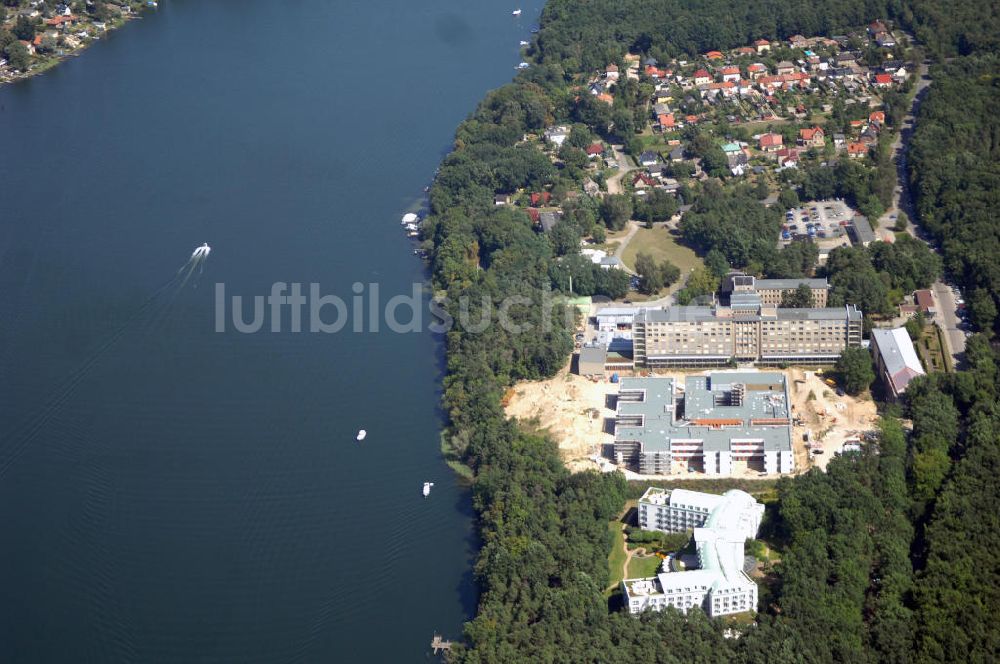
[(721, 525)]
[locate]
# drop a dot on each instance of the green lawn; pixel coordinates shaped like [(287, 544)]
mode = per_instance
[(660, 244), (639, 568), (930, 349), (616, 559)]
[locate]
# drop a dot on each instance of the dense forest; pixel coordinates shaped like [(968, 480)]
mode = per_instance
[(955, 174), (891, 555)]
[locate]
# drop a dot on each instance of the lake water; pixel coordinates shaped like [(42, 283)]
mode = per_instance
[(173, 494)]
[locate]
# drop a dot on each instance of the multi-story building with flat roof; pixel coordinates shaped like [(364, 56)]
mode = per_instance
[(716, 423), (719, 586), (745, 331), (773, 291)]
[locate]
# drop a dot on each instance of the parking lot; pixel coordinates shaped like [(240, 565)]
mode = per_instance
[(823, 222)]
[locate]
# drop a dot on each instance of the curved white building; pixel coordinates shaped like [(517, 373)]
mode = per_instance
[(721, 526)]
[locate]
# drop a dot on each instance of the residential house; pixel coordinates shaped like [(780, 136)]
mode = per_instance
[(656, 170), (540, 198), (877, 117), (812, 137), (756, 70), (925, 302), (594, 150), (787, 157), (857, 150), (770, 142), (641, 181), (798, 41), (762, 46), (883, 81), (745, 51), (886, 40), (557, 135), (653, 72), (845, 59), (611, 73), (502, 199), (548, 220), (839, 140), (784, 67), (648, 158), (714, 55), (677, 154), (731, 73), (702, 77), (666, 121), (876, 27), (611, 263)]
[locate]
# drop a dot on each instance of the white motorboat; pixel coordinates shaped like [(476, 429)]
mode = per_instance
[(524, 43), (361, 434), (410, 218), (427, 488), (516, 12)]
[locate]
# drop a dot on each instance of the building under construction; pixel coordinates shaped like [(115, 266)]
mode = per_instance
[(716, 423)]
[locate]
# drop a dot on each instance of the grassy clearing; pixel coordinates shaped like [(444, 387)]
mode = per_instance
[(661, 245), (639, 568)]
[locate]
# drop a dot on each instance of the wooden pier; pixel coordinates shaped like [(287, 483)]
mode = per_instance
[(439, 645)]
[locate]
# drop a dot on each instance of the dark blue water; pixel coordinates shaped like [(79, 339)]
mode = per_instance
[(173, 494)]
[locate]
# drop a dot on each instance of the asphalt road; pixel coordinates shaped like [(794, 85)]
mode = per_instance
[(947, 316)]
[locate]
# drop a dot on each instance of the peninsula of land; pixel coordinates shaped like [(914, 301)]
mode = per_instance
[(36, 34)]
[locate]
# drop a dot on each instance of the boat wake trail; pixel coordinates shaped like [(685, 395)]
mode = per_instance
[(14, 443)]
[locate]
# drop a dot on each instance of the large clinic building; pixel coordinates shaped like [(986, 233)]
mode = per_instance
[(721, 525), (712, 423), (745, 331)]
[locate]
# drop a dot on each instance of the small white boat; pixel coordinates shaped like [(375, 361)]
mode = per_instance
[(427, 488), (516, 12), (361, 434), (525, 43), (410, 218), (523, 65)]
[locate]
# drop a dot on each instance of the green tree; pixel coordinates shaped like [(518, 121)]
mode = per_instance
[(701, 283), (855, 371), (716, 263), (616, 210), (24, 28), (800, 298), (788, 198), (650, 275), (18, 56), (983, 309), (902, 221)]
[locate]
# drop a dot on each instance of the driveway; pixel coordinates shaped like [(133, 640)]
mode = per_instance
[(624, 166)]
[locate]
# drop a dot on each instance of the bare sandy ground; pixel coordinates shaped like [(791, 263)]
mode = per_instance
[(574, 411)]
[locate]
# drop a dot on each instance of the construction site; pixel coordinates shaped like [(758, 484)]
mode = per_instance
[(579, 413)]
